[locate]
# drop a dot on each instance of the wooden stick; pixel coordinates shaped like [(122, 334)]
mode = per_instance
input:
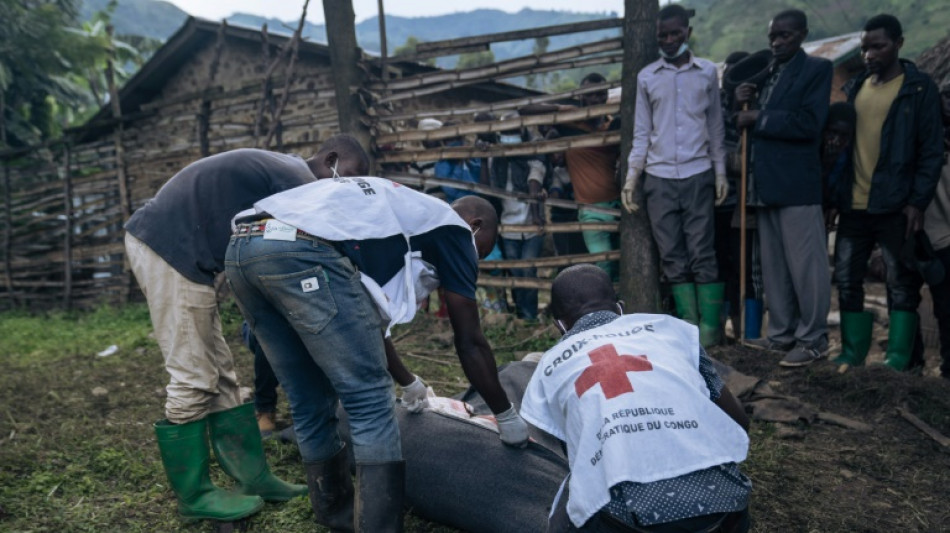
[(494, 107), (515, 283), (530, 69), (67, 231), (433, 47), (204, 110), (524, 341), (430, 359), (560, 227), (451, 132), (501, 67), (124, 201), (738, 328), (8, 235), (940, 438), (553, 261), (294, 46), (417, 180), (503, 150)]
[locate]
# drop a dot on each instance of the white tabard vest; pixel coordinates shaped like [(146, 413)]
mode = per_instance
[(341, 209), (630, 403)]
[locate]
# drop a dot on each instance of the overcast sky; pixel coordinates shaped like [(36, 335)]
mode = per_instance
[(288, 10)]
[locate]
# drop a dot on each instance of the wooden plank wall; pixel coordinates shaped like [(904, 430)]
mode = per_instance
[(61, 238)]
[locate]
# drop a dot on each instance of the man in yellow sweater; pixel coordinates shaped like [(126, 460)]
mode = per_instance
[(896, 159)]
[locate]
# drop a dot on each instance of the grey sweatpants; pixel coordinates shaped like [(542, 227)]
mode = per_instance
[(681, 216), (795, 274)]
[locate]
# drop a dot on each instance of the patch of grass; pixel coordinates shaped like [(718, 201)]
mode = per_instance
[(57, 334)]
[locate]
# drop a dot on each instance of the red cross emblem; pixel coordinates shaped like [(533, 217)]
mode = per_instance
[(609, 369)]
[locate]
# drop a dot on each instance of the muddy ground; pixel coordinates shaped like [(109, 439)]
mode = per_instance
[(77, 451)]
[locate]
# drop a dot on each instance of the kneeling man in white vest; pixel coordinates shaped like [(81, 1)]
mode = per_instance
[(653, 436)]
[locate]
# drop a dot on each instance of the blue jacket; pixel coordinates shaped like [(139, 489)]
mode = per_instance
[(908, 167), (787, 135)]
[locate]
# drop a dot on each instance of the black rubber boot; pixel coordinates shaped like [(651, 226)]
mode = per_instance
[(380, 489), (331, 492)]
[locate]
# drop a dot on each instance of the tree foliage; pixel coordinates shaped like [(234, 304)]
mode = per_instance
[(46, 63), (475, 59), (408, 49)]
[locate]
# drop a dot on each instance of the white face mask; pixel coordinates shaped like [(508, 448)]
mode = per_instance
[(679, 52), (509, 139)]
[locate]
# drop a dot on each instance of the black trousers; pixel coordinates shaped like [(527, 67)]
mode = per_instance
[(858, 232)]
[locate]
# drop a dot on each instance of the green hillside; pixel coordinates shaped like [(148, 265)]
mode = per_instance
[(720, 26)]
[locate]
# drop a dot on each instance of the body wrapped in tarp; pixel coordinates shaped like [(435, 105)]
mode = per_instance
[(458, 473)]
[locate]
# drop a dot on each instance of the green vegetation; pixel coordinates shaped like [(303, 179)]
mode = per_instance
[(51, 68), (47, 338), (78, 452), (723, 26)]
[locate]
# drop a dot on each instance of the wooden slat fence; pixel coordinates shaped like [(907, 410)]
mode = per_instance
[(61, 238)]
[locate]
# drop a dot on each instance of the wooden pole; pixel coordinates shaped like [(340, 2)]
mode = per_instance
[(8, 234), (743, 187), (125, 205), (294, 45), (204, 111), (639, 262), (68, 229), (383, 48), (266, 87), (346, 60)]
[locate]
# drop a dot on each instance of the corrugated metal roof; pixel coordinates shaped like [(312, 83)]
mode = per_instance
[(838, 49)]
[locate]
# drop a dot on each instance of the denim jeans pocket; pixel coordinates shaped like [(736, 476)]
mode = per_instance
[(303, 297)]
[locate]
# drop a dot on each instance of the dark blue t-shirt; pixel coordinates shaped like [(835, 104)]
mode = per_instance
[(188, 222), (448, 248)]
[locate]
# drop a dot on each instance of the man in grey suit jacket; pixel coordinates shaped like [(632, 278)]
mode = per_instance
[(785, 186)]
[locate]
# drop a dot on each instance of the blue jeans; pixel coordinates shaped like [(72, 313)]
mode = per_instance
[(526, 300), (265, 382), (321, 334)]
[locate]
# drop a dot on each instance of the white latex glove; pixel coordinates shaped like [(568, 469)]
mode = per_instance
[(414, 396), (512, 429), (722, 189), (629, 190)]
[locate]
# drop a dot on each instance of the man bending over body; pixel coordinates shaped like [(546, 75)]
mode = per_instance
[(175, 245), (305, 268), (653, 436)]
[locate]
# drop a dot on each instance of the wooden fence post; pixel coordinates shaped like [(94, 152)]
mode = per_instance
[(8, 234), (639, 263), (345, 58), (68, 237), (204, 111), (125, 205)]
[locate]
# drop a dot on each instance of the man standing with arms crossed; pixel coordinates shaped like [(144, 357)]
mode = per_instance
[(678, 142), (785, 186), (897, 156)]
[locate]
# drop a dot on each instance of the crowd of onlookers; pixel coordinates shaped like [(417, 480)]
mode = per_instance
[(868, 168)]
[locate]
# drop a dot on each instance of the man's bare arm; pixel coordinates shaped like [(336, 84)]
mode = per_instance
[(474, 352), (394, 364)]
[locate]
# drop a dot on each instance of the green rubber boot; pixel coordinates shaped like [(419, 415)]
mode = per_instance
[(855, 339), (900, 339), (185, 454), (237, 444), (709, 299), (684, 294)]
